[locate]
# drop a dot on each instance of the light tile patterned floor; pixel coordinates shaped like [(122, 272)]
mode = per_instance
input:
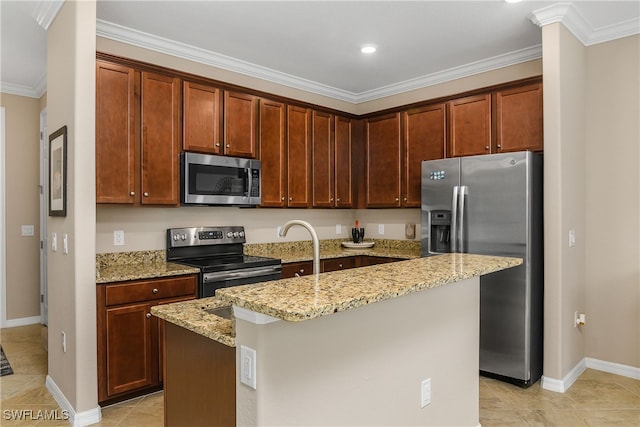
[(596, 399)]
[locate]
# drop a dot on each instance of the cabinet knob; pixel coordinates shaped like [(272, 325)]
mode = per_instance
[(217, 144), (499, 146), (486, 147), (340, 265), (331, 199), (145, 194), (155, 291), (397, 199), (296, 274), (338, 199), (290, 198), (302, 271), (405, 199), (228, 145), (148, 315), (282, 198), (133, 193)]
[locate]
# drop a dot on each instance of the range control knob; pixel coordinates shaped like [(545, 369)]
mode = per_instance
[(175, 237), (229, 235), (241, 234), (235, 234), (183, 237)]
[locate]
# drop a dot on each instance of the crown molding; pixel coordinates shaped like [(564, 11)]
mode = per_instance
[(45, 12), (574, 21), (158, 44), (13, 89)]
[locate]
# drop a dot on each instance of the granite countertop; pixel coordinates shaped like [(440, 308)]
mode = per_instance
[(123, 266), (308, 297), (192, 316)]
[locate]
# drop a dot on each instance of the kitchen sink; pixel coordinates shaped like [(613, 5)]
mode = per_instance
[(225, 312)]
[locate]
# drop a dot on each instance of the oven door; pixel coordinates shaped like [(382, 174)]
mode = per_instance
[(210, 282)]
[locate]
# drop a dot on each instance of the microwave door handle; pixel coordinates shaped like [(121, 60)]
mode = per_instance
[(247, 180)]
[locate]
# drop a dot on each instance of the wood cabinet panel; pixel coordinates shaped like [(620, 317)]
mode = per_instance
[(202, 120), (116, 137), (343, 162), (293, 269), (160, 139), (323, 160), (240, 124), (130, 344), (383, 149), (336, 264), (424, 139), (470, 126), (129, 348), (298, 157), (518, 115), (273, 153)]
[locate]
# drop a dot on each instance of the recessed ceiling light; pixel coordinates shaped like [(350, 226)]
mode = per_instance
[(368, 49)]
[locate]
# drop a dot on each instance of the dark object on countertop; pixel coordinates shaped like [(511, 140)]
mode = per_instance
[(5, 367)]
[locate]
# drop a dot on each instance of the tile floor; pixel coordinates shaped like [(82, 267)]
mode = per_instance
[(596, 399)]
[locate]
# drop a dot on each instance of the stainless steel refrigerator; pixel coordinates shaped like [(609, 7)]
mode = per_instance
[(492, 205)]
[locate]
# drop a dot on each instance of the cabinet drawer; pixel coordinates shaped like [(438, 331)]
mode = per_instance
[(148, 290), (336, 264)]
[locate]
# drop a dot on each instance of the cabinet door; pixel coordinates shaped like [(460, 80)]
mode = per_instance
[(383, 161), (295, 269), (130, 350), (343, 176), (272, 153), (158, 336), (202, 120), (116, 136), (298, 157), (519, 119), (160, 139), (424, 139), (240, 124), (323, 160), (470, 126)]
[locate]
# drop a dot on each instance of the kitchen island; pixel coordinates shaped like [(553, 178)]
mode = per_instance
[(344, 348)]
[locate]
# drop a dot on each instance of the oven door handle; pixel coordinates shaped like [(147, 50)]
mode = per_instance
[(240, 274)]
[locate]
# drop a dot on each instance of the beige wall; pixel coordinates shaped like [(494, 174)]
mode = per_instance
[(365, 366), (612, 205), (22, 205), (71, 277)]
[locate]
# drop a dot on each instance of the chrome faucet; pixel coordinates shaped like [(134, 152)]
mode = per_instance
[(314, 239)]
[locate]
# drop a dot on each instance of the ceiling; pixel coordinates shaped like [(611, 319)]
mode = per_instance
[(315, 45)]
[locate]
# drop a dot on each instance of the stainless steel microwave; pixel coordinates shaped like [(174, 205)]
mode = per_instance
[(208, 179)]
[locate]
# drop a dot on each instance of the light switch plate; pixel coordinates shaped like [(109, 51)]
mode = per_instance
[(338, 229), (118, 237), (380, 228), (54, 242)]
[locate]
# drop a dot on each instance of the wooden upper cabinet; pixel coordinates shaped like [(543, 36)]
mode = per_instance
[(117, 138), (273, 153), (343, 162), (424, 139), (323, 146), (470, 126), (298, 157), (240, 124), (383, 150), (202, 119), (160, 171), (518, 115)]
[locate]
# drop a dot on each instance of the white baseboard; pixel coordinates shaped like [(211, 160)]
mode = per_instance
[(564, 384), (613, 368), (23, 321), (77, 419)]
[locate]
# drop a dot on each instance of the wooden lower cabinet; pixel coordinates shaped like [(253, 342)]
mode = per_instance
[(304, 268), (130, 344), (200, 380)]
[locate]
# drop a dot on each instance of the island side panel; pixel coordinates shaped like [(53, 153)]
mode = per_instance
[(365, 366), (199, 380)]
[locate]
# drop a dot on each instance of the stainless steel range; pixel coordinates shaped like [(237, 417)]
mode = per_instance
[(218, 253)]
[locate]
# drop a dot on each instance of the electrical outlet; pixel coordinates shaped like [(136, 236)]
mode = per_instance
[(27, 230), (54, 242), (380, 228), (338, 228), (425, 392), (579, 319), (572, 238), (65, 243), (63, 337), (248, 366), (118, 237)]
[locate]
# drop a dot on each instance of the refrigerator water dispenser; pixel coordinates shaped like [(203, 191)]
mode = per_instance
[(440, 231)]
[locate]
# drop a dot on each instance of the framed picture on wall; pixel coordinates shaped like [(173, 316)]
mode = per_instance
[(58, 172)]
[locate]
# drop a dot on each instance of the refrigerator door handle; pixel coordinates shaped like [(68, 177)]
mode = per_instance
[(462, 241), (454, 218)]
